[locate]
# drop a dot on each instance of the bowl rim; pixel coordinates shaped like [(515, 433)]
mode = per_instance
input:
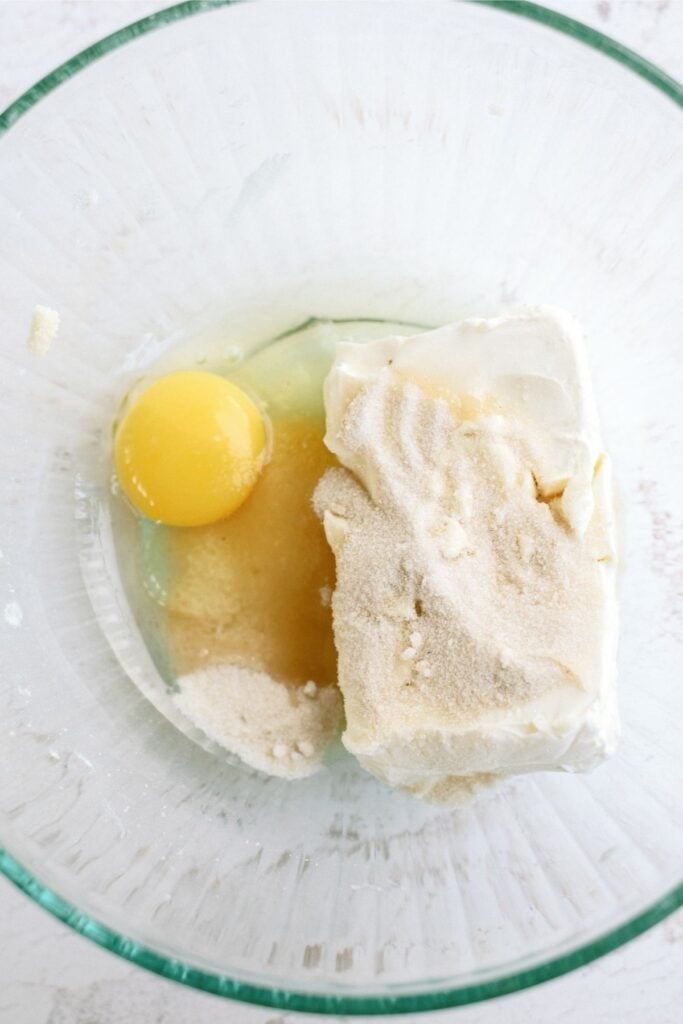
[(276, 997)]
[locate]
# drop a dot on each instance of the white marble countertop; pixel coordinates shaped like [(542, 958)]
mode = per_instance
[(48, 974)]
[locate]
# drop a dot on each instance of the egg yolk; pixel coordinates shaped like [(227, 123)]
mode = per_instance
[(190, 449)]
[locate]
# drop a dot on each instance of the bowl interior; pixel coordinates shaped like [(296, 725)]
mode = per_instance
[(229, 177)]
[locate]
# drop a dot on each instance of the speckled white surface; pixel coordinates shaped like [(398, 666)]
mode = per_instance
[(49, 975)]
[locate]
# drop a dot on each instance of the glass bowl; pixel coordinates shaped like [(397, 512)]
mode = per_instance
[(238, 172)]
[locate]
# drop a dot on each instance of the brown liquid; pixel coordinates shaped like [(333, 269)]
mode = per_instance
[(247, 589)]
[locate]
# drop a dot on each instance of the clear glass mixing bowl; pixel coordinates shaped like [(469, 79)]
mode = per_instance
[(241, 171)]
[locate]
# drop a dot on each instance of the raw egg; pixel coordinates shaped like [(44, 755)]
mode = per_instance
[(190, 449)]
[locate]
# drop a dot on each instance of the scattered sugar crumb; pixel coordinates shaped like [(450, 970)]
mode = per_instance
[(415, 639), (408, 654), (464, 501), (13, 614), (233, 355), (526, 546), (435, 485), (310, 688), (280, 750), (306, 748), (88, 198), (44, 329), (455, 539), (326, 596)]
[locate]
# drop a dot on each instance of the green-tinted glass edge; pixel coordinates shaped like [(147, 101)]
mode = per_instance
[(535, 12), (596, 40), (282, 999)]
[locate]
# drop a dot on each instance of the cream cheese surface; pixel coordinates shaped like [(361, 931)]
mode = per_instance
[(472, 523)]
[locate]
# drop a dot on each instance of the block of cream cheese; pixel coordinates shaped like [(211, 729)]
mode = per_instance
[(472, 524)]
